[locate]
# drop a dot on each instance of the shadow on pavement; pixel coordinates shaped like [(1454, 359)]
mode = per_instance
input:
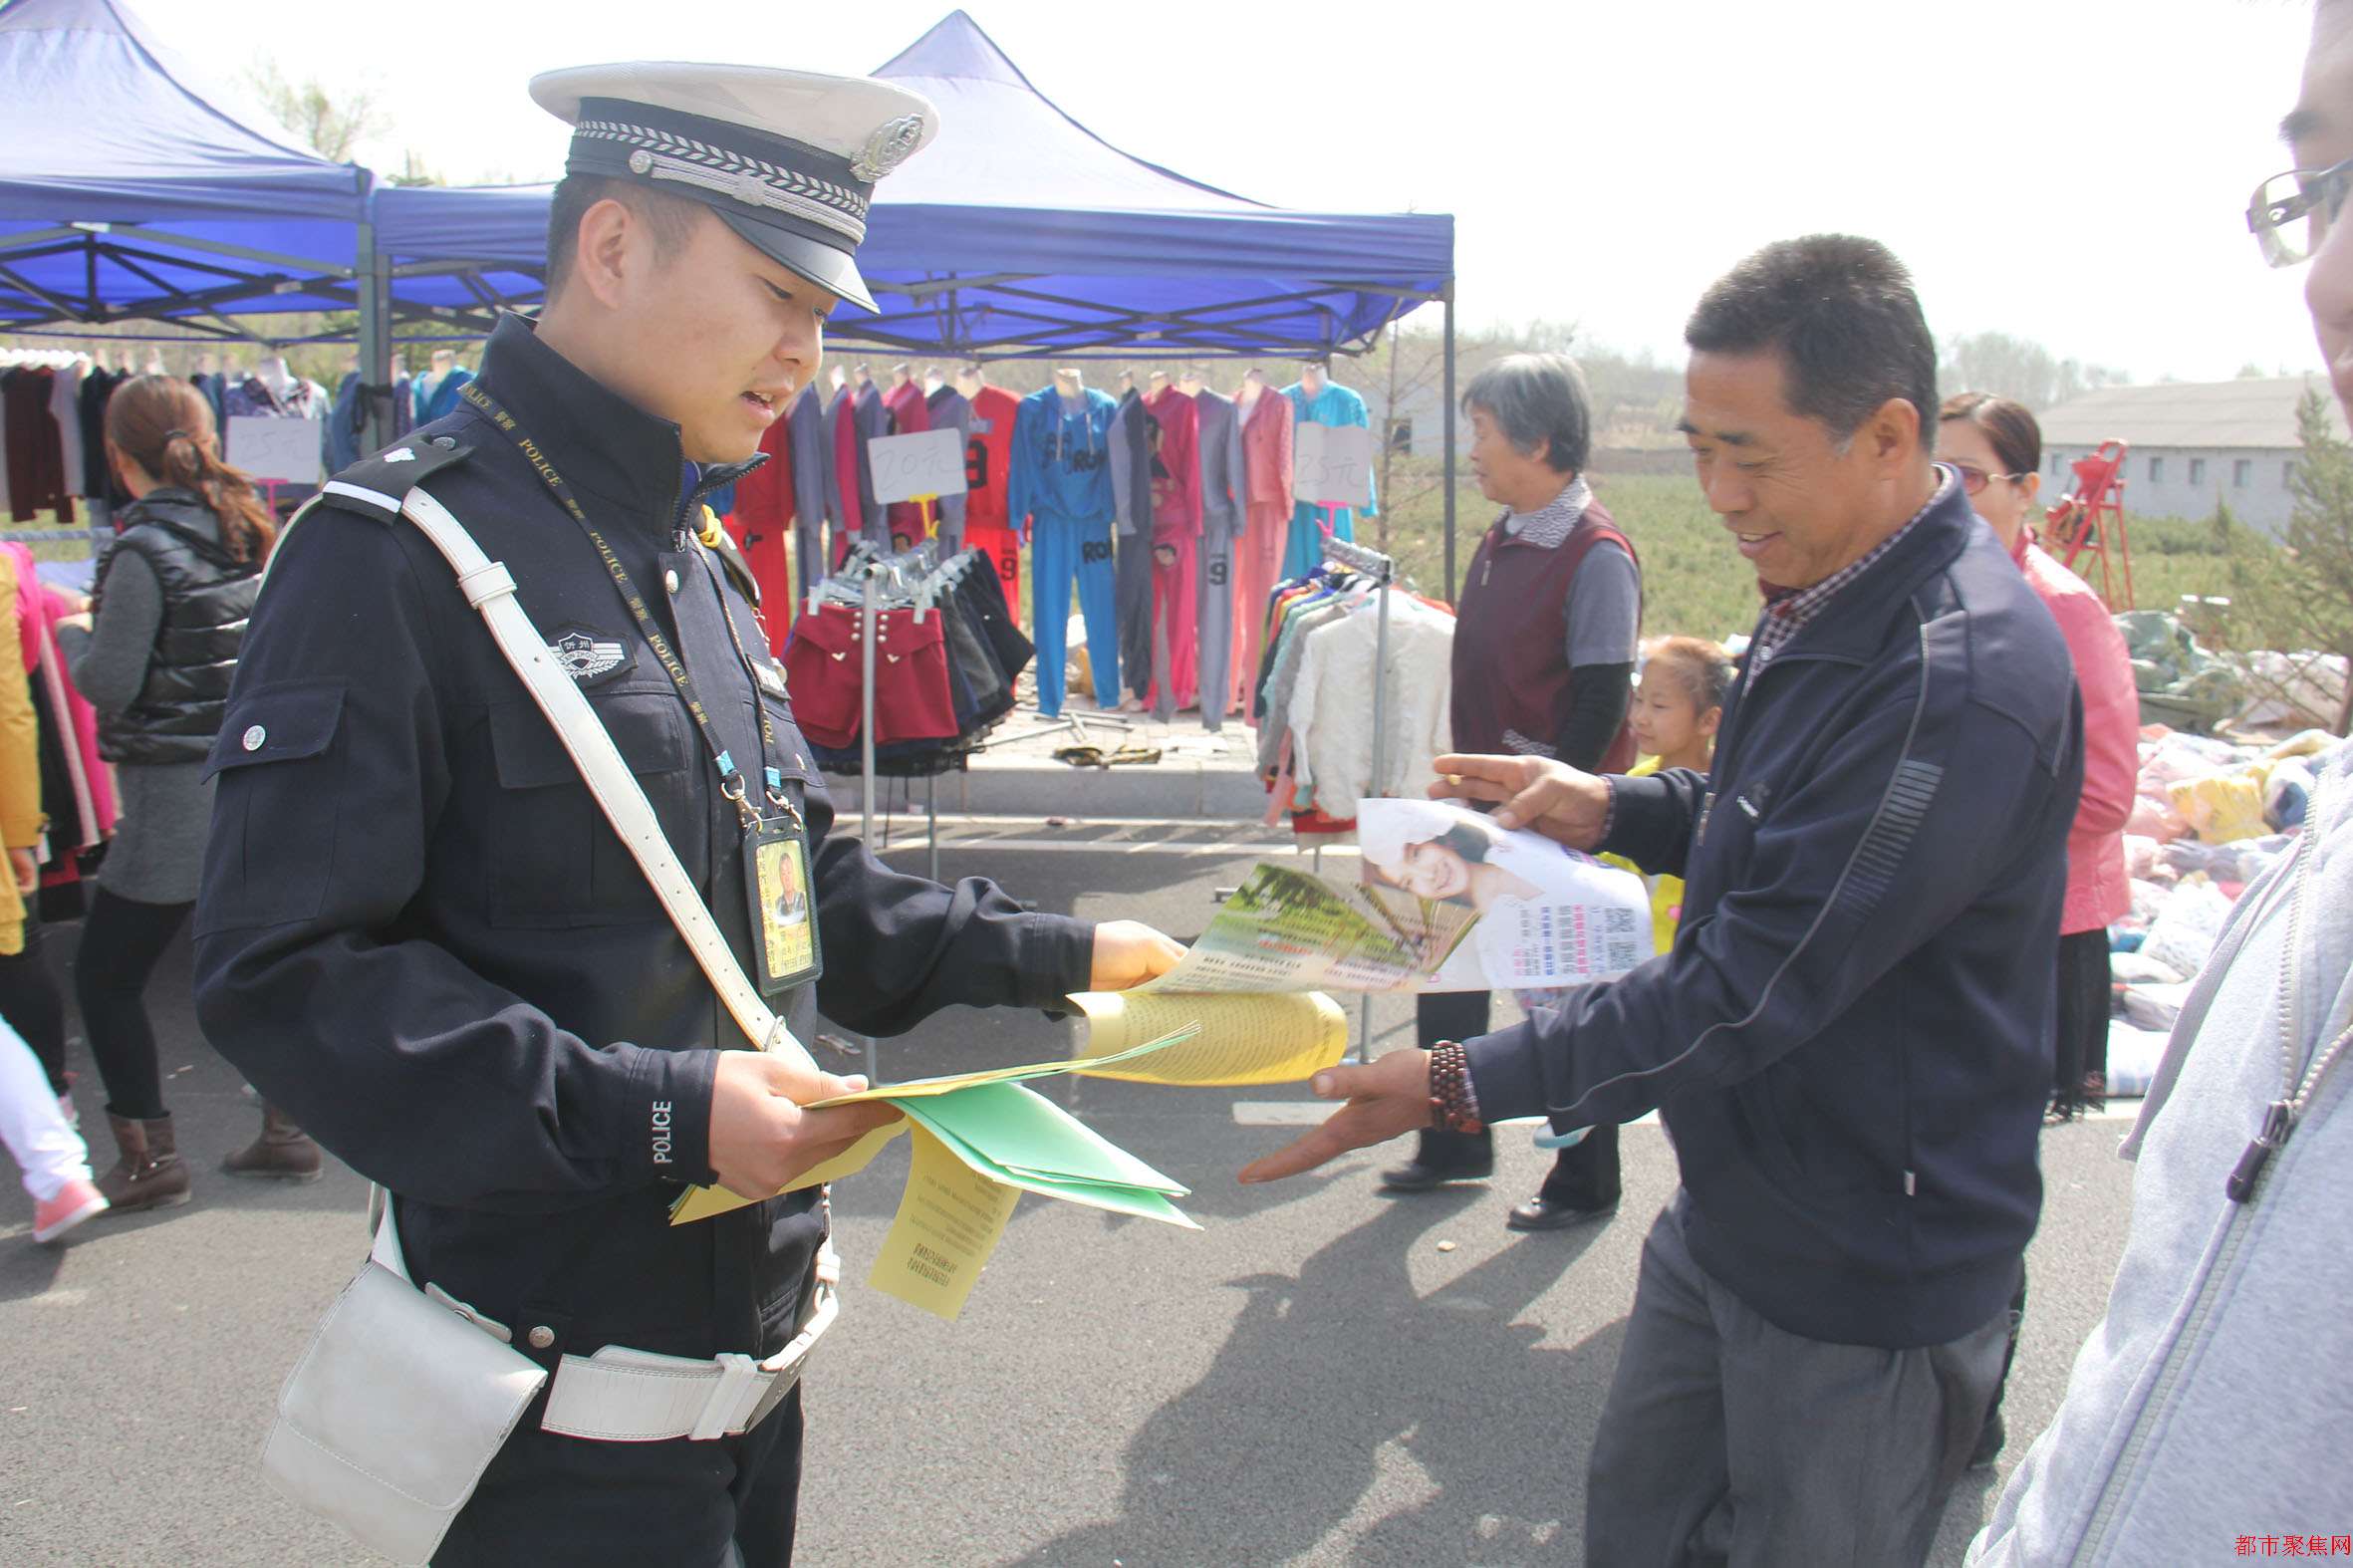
[(1279, 1446)]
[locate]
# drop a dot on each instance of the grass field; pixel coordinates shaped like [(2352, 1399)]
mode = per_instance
[(1694, 583), (73, 547)]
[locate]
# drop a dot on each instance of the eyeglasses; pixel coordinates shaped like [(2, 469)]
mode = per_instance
[(2291, 212), (1974, 479)]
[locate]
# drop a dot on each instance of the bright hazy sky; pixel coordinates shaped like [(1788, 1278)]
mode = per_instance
[(2076, 171)]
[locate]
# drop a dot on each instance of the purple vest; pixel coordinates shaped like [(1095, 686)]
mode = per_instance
[(1513, 680)]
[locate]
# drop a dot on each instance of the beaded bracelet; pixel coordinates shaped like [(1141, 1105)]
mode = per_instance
[(1454, 1104)]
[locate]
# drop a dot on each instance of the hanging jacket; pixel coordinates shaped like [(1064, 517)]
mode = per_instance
[(433, 397), (950, 410), (207, 600), (848, 451), (1266, 449), (872, 418), (1176, 466), (814, 500), (989, 458), (1061, 458), (910, 415), (1133, 435), (1225, 489)]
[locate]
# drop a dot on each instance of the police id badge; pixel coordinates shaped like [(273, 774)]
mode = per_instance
[(783, 905)]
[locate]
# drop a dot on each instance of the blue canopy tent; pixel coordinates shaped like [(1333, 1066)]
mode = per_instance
[(128, 192), (1020, 233)]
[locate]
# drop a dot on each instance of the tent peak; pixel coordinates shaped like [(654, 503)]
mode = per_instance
[(64, 16), (956, 49)]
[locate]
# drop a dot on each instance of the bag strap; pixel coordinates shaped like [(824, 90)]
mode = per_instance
[(490, 589)]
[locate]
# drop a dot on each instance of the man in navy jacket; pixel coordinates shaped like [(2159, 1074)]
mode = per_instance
[(1847, 1038)]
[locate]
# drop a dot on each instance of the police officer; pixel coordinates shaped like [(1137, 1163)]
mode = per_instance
[(417, 932)]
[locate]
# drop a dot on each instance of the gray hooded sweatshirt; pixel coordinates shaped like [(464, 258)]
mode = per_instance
[(2214, 1406)]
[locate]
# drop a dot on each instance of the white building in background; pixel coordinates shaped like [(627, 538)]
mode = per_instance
[(2195, 445)]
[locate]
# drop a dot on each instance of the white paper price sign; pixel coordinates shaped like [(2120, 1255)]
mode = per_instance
[(1334, 464), (268, 448), (929, 462)]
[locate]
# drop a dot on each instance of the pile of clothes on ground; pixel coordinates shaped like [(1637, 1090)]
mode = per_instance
[(2184, 686), (2211, 816), (2181, 683)]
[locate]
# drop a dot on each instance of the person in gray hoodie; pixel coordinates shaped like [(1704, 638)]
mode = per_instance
[(2210, 1416)]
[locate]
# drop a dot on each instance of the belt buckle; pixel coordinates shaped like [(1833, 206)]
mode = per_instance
[(784, 1369), (740, 1390)]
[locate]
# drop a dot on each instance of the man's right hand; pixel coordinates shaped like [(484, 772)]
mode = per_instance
[(1551, 797), (761, 1138)]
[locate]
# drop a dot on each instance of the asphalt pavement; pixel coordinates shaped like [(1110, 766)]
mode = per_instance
[(1322, 1375)]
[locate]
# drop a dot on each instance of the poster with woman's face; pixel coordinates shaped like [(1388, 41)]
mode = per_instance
[(1547, 915)]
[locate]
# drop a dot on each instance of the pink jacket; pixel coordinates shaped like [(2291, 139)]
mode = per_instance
[(94, 781), (2097, 889), (1266, 449)]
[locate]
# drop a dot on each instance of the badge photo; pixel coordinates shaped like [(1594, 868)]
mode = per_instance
[(784, 906)]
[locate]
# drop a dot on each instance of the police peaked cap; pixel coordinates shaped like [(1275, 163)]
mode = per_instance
[(788, 160)]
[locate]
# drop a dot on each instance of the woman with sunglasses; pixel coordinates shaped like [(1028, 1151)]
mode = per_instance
[(1996, 446)]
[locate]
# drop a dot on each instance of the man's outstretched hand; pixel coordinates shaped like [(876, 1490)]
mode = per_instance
[(762, 1138), (1385, 1099), (1130, 952), (1551, 797)]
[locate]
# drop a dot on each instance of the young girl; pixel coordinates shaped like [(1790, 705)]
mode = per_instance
[(1677, 708)]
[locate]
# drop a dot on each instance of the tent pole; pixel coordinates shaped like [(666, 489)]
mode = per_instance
[(1449, 416), (375, 350)]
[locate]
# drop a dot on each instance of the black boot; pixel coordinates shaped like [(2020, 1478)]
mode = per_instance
[(1441, 1157)]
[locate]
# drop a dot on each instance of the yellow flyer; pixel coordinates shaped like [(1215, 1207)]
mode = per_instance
[(949, 1221)]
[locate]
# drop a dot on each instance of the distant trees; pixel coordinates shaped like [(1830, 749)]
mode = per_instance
[(330, 124), (1995, 362)]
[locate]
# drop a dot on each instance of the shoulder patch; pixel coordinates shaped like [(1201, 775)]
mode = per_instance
[(377, 483)]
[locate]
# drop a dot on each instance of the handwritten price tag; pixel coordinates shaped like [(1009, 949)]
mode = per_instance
[(909, 467), (1334, 464), (268, 448)]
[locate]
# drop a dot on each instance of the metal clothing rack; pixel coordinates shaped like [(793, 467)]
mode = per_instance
[(1381, 570)]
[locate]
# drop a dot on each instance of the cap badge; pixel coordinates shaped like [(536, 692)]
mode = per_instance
[(891, 145)]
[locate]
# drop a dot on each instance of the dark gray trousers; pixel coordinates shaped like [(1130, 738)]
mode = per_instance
[(1727, 1440), (1131, 593)]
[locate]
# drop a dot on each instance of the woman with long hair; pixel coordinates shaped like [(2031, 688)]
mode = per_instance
[(155, 655)]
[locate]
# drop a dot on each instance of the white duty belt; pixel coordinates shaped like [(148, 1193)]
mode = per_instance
[(621, 1395)]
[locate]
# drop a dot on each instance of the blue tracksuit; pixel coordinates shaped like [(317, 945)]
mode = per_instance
[(1335, 405), (1060, 487)]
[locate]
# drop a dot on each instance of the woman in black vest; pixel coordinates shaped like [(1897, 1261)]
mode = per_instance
[(1543, 663), (154, 657)]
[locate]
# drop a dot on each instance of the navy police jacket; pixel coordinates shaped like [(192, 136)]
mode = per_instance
[(1851, 1039), (418, 936)]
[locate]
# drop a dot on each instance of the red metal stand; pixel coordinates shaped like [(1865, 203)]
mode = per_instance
[(2089, 516)]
